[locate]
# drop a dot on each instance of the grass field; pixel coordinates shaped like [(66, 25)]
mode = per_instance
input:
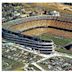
[(60, 42), (57, 40)]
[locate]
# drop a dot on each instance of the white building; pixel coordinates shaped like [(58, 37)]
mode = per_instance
[(55, 13), (24, 15)]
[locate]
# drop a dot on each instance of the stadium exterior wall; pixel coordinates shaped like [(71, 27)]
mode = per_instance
[(43, 46)]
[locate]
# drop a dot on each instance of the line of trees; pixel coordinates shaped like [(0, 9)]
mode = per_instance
[(68, 3)]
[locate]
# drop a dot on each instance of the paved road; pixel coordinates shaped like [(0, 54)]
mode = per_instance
[(44, 56), (38, 66), (49, 56), (55, 54), (31, 51), (63, 54), (26, 67)]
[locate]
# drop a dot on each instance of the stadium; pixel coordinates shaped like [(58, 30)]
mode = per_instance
[(24, 30)]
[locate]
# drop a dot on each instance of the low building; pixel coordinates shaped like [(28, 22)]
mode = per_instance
[(4, 19), (54, 13), (24, 15)]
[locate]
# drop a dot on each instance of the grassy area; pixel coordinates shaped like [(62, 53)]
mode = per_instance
[(14, 65), (63, 50), (17, 66), (57, 40)]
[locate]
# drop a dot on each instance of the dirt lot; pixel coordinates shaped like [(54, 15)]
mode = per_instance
[(54, 6), (39, 31)]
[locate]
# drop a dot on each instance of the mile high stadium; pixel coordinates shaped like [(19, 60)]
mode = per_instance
[(18, 31)]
